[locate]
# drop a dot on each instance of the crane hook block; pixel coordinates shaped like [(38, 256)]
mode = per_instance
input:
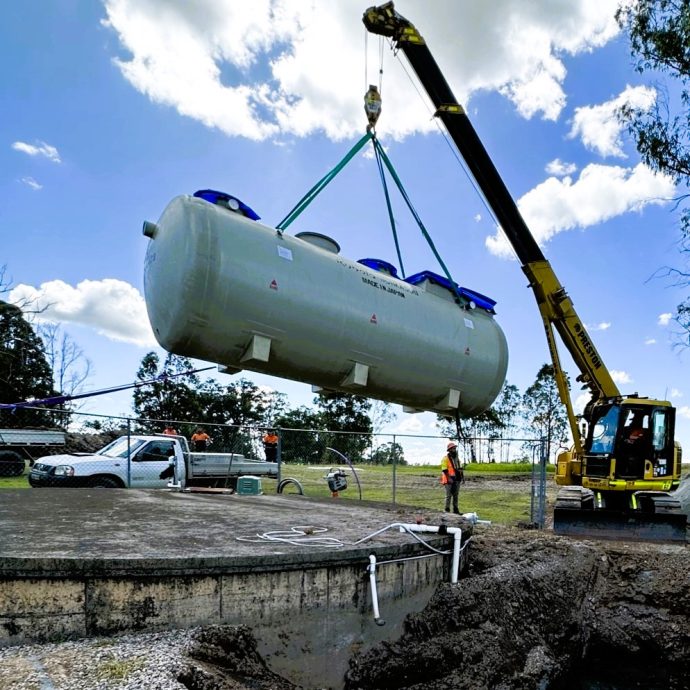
[(372, 105)]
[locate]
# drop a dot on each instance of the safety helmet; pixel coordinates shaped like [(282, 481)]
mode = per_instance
[(451, 445)]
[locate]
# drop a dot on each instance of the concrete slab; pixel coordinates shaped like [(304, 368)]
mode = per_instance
[(121, 525), (91, 562)]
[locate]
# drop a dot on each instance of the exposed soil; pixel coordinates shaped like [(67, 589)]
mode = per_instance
[(535, 611)]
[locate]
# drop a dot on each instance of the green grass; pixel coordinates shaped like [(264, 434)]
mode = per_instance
[(504, 501), (504, 468), (21, 482)]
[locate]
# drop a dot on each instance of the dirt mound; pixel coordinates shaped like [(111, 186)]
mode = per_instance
[(225, 658), (535, 611), (88, 443)]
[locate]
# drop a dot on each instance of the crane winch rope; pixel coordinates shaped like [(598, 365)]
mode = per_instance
[(372, 109)]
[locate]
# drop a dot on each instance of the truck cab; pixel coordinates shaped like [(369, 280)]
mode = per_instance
[(110, 467)]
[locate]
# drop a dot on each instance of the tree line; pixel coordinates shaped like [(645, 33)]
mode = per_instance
[(39, 362)]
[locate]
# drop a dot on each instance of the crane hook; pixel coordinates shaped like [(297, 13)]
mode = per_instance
[(372, 106)]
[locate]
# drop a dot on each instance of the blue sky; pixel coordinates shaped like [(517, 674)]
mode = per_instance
[(111, 109)]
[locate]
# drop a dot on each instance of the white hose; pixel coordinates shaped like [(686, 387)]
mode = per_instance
[(299, 535)]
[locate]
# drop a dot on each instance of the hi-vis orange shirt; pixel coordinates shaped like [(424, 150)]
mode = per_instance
[(447, 464)]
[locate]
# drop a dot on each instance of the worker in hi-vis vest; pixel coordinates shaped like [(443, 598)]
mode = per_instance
[(451, 476)]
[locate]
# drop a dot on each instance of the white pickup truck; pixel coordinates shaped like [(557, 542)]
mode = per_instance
[(146, 462)]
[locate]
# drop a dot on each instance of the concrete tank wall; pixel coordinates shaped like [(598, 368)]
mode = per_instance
[(226, 289), (308, 617)]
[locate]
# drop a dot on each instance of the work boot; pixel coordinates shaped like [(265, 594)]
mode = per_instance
[(447, 510), (456, 511)]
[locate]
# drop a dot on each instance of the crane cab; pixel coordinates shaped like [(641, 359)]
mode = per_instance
[(628, 446)]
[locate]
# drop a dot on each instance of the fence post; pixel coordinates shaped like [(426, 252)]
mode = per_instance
[(395, 473), (129, 452), (542, 482), (538, 497), (279, 454)]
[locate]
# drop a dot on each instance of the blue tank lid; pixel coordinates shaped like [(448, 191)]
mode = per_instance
[(380, 265), (214, 197), (482, 301)]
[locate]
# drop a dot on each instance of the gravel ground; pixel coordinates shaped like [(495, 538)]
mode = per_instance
[(149, 661)]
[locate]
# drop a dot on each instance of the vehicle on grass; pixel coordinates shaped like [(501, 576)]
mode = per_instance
[(147, 462), (17, 446)]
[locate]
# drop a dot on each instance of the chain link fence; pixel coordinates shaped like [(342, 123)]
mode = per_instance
[(395, 469)]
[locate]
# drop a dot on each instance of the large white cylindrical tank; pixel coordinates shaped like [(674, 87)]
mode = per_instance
[(224, 288)]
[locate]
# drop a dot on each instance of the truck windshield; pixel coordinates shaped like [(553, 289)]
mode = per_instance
[(118, 448), (604, 431)]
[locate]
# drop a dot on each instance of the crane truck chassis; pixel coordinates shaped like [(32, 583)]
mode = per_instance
[(617, 477)]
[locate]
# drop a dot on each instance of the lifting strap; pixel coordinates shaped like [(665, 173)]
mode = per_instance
[(415, 215), (380, 156), (382, 175), (321, 184)]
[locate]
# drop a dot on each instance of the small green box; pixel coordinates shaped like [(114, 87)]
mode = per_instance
[(249, 486)]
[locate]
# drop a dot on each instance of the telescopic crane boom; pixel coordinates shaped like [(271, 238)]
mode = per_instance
[(602, 471)]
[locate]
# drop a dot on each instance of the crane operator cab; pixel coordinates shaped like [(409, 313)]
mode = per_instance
[(630, 445)]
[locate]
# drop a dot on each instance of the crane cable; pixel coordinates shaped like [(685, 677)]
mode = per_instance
[(372, 106), (415, 215), (366, 61), (382, 175), (451, 146), (381, 156)]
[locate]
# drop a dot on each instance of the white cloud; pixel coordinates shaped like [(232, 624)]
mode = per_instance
[(39, 149), (113, 308), (477, 218), (650, 341), (559, 168), (675, 393), (411, 424), (620, 376), (273, 67), (580, 402), (603, 326), (684, 411), (599, 126), (30, 182), (601, 192), (665, 319)]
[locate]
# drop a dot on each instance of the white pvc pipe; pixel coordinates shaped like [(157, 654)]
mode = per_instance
[(455, 567), (457, 538), (455, 564), (374, 594)]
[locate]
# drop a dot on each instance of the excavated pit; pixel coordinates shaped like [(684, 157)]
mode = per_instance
[(536, 611)]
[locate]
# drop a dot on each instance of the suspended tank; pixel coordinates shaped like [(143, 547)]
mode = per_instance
[(224, 288)]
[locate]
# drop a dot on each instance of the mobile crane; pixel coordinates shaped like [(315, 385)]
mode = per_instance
[(624, 461)]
